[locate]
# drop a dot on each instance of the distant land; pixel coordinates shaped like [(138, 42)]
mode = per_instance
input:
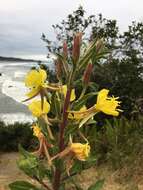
[(15, 59)]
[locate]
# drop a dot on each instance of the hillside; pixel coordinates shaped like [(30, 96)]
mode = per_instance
[(15, 59)]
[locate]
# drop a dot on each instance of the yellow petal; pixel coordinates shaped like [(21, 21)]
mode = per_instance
[(64, 91), (36, 108), (109, 108), (33, 92), (31, 78), (43, 75), (108, 105), (102, 95), (37, 131), (77, 115), (73, 97), (35, 78), (81, 151)]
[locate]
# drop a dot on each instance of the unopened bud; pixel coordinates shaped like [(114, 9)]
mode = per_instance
[(58, 67), (99, 46), (87, 74), (65, 49), (76, 46)]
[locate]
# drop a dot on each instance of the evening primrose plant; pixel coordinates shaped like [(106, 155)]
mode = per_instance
[(61, 115)]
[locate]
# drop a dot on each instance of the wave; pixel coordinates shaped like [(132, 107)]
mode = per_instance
[(19, 74), (12, 85), (10, 118), (28, 64), (15, 90)]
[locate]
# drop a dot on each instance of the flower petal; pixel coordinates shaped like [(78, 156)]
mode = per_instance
[(64, 92), (36, 108), (33, 92), (102, 95), (43, 75)]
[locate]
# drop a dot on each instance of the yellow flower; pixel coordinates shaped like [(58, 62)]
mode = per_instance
[(36, 107), (35, 80), (77, 115), (37, 131), (81, 151), (64, 92), (107, 105)]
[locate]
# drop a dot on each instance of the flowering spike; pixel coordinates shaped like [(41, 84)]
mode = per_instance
[(87, 74), (99, 46), (76, 46), (58, 67), (65, 50)]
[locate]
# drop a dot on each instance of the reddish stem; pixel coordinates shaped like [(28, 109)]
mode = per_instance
[(57, 177)]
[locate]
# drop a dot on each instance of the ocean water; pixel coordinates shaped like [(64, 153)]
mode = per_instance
[(13, 90)]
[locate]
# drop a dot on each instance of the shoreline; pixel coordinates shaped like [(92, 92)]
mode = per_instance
[(12, 111)]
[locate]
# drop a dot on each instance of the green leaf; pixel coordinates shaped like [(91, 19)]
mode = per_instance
[(22, 185), (24, 153), (31, 165), (48, 173), (77, 167), (79, 103), (91, 121), (71, 129), (98, 185), (91, 159), (87, 55), (62, 186), (43, 125), (56, 104), (28, 165), (94, 86), (64, 63), (86, 119)]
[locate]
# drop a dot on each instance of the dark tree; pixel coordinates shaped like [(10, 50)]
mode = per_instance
[(122, 71)]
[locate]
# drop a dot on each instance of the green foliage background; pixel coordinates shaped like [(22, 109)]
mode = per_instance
[(116, 141), (12, 135), (122, 71)]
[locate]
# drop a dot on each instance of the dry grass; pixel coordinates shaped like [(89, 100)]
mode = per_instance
[(123, 179)]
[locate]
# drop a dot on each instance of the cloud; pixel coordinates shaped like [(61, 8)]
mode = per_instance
[(23, 21)]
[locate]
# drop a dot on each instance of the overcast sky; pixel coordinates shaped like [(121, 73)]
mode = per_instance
[(23, 21)]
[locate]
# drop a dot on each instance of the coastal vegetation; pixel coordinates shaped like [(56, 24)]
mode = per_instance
[(122, 71), (11, 135), (79, 124)]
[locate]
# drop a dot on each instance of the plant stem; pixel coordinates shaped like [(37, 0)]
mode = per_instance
[(42, 183), (63, 124)]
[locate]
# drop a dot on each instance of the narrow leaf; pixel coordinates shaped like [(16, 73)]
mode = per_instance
[(97, 186), (86, 119), (22, 185)]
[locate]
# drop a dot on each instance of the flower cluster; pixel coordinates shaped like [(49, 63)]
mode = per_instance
[(37, 80), (62, 111)]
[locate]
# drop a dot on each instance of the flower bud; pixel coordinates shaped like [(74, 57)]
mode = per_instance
[(58, 68), (37, 131), (99, 46), (87, 73), (65, 49), (81, 151), (76, 46)]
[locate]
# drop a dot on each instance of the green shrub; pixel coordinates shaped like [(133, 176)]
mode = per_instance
[(118, 142), (13, 134)]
